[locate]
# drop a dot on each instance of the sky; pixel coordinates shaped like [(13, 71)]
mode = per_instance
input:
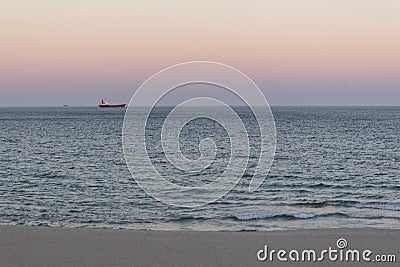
[(309, 52)]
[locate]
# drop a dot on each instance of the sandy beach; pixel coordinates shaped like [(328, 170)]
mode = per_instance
[(47, 246)]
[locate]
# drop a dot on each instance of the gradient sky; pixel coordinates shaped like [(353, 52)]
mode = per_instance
[(309, 52)]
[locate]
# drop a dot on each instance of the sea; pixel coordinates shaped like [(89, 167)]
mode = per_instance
[(334, 167)]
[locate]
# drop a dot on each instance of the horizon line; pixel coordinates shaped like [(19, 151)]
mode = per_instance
[(275, 105)]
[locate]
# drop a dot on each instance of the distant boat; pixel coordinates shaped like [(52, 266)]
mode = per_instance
[(65, 105), (105, 104)]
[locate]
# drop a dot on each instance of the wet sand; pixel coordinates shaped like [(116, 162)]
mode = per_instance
[(48, 246)]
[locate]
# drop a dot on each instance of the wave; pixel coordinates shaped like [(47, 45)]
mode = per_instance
[(282, 216), (304, 216), (322, 204), (393, 207), (10, 140), (187, 218), (325, 185), (349, 203), (260, 216)]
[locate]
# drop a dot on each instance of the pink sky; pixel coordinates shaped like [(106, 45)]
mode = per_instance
[(299, 52)]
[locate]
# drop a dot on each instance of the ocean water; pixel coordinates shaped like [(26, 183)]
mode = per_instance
[(334, 167)]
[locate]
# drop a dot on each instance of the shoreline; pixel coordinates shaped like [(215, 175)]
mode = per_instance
[(55, 246)]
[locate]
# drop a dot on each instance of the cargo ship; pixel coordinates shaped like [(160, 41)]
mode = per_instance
[(105, 104)]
